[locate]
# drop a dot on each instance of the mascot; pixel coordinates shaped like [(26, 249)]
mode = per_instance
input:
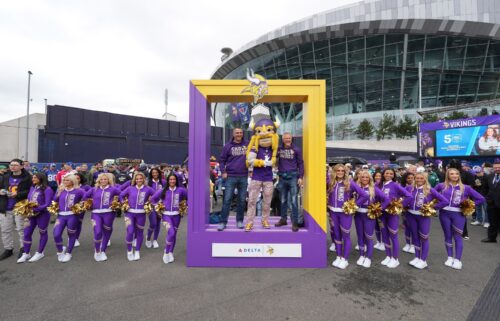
[(261, 152)]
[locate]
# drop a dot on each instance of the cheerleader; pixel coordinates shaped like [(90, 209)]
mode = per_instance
[(407, 182), (340, 189), (135, 217), (156, 183), (365, 226), (102, 218), (419, 225), (451, 218), (171, 195), (81, 184), (42, 195), (377, 179), (392, 191), (67, 196)]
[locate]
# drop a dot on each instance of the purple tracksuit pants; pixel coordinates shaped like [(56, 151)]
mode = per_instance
[(408, 233), (452, 224), (154, 225), (171, 223), (340, 231), (63, 221), (420, 227), (365, 228), (42, 221), (103, 227), (81, 217), (390, 234), (134, 223)]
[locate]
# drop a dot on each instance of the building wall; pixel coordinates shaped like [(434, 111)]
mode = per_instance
[(13, 135), (79, 135)]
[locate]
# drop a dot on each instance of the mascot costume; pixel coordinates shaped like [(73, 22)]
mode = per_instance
[(261, 152)]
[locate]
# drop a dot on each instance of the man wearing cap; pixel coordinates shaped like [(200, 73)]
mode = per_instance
[(14, 187), (51, 176)]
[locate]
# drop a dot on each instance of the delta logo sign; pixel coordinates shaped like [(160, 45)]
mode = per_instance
[(256, 250)]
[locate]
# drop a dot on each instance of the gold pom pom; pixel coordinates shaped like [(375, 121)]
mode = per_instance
[(78, 208), (87, 205), (428, 209), (374, 210), (115, 204), (395, 207), (183, 208), (350, 207), (160, 208), (148, 207), (468, 207), (125, 206), (25, 208), (53, 208)]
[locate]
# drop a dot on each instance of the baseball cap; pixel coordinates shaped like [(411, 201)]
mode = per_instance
[(477, 169), (69, 163), (364, 167), (3, 167), (53, 165)]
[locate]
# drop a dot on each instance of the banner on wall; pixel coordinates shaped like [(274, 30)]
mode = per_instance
[(478, 136)]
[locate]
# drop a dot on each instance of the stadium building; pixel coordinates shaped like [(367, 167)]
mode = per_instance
[(369, 54)]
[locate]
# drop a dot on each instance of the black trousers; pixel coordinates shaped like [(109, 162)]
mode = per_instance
[(494, 219)]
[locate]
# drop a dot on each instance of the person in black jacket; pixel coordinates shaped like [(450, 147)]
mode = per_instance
[(14, 187), (493, 201)]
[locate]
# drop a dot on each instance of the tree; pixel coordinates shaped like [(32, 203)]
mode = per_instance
[(406, 128), (386, 127), (365, 129), (456, 115), (344, 129), (430, 118)]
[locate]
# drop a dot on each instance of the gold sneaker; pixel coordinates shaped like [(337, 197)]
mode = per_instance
[(248, 227), (265, 224)]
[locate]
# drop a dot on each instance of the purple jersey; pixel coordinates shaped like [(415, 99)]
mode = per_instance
[(290, 160), (233, 159), (263, 174), (137, 197), (42, 197), (13, 184), (101, 198), (171, 199), (68, 198), (338, 195)]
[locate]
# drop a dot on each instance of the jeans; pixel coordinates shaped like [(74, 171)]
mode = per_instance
[(481, 215), (288, 184), (241, 183)]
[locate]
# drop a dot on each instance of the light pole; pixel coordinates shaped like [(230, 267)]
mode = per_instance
[(28, 115)]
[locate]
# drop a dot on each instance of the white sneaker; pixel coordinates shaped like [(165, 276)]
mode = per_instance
[(36, 257), (77, 243), (421, 264), (109, 243), (137, 256), (155, 244), (64, 250), (332, 248), (449, 261), (336, 262), (486, 225), (406, 248), (414, 261), (360, 260), (149, 244), (412, 249), (367, 262), (66, 258), (343, 264), (97, 256), (386, 260), (134, 242), (457, 264), (474, 222), (60, 256), (380, 246), (393, 263), (165, 258), (25, 257), (104, 257), (170, 257), (130, 256), (356, 247)]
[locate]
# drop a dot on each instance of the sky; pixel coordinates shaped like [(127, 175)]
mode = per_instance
[(119, 56)]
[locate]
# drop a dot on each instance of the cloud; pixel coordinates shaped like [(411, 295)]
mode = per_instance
[(119, 56)]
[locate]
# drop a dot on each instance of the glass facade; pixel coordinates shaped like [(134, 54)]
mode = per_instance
[(367, 76)]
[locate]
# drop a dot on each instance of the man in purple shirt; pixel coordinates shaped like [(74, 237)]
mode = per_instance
[(290, 172), (14, 187), (235, 173)]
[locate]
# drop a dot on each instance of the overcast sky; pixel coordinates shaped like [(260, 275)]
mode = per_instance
[(120, 55)]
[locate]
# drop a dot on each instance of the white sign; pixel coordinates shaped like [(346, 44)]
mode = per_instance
[(256, 250)]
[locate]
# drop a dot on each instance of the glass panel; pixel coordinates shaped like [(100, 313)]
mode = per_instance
[(467, 90), (434, 52), (455, 53), (493, 60), (487, 87), (448, 89), (476, 51), (410, 90), (356, 52), (430, 86), (415, 50)]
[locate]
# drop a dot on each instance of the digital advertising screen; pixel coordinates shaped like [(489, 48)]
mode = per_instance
[(479, 136)]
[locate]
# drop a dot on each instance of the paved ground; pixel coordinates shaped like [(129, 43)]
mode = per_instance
[(149, 290)]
